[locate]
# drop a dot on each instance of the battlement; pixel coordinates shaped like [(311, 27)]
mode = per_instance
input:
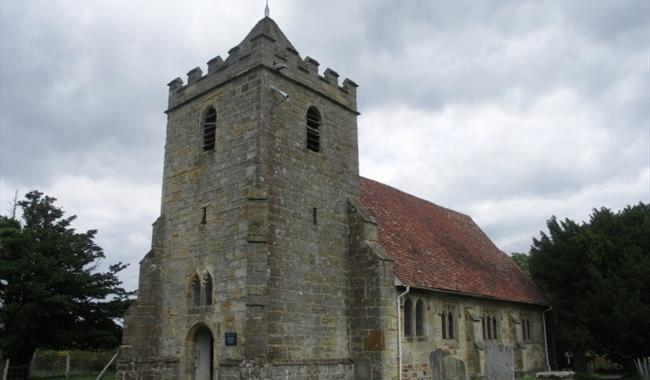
[(264, 47)]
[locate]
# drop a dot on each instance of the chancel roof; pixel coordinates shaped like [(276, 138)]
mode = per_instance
[(437, 248)]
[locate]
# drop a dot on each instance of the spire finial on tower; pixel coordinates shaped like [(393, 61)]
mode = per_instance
[(267, 12)]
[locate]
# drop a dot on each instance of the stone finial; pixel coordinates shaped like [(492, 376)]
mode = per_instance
[(215, 64), (331, 76), (175, 84), (194, 75), (312, 65)]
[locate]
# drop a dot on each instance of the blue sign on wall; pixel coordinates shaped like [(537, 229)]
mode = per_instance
[(231, 339)]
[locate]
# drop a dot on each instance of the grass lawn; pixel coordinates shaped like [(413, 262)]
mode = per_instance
[(583, 376)]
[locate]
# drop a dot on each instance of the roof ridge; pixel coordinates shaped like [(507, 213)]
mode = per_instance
[(416, 197)]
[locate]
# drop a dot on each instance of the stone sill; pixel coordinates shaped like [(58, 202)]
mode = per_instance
[(200, 309)]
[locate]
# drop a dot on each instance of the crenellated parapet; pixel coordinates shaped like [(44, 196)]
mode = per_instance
[(264, 47)]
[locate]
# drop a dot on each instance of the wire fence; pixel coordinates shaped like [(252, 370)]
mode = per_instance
[(643, 366), (14, 371), (49, 364)]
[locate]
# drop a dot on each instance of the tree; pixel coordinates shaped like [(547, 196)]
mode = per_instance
[(596, 276), (51, 293), (521, 259)]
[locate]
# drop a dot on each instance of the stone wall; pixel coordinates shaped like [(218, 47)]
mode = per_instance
[(372, 302), (340, 370), (220, 181), (308, 239), (468, 344)]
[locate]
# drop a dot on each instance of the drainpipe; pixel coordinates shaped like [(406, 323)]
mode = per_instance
[(548, 363), (399, 332)]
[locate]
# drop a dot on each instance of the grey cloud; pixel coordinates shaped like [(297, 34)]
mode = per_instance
[(472, 105), (624, 22), (71, 99), (441, 52)]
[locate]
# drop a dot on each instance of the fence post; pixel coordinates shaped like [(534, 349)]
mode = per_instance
[(6, 370), (67, 366), (31, 362)]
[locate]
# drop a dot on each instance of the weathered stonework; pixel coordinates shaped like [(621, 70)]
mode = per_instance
[(468, 344), (264, 263), (266, 218)]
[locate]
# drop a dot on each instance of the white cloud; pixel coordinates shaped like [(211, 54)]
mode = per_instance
[(509, 168), (121, 211)]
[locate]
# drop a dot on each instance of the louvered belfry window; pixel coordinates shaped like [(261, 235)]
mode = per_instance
[(313, 132), (209, 129)]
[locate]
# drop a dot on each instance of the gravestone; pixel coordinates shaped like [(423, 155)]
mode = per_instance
[(499, 362), (445, 366), (362, 368)]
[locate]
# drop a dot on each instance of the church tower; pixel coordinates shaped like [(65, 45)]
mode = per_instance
[(249, 272)]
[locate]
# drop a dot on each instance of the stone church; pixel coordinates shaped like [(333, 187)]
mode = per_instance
[(273, 259)]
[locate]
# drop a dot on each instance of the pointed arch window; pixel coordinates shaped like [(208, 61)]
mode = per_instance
[(419, 318), (196, 291), (490, 325), (313, 129), (447, 317), (525, 328), (208, 289), (408, 317), (209, 129)]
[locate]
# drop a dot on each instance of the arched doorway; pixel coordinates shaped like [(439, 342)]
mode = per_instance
[(203, 354)]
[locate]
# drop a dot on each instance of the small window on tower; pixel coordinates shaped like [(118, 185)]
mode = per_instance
[(209, 129), (313, 129), (208, 289), (204, 215), (315, 216), (196, 290)]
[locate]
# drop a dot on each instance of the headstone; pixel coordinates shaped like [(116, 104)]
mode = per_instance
[(362, 368), (562, 375), (499, 362), (445, 366)]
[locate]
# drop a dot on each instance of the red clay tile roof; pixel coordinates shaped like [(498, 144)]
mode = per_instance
[(437, 248)]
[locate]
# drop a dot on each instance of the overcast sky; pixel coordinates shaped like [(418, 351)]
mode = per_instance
[(509, 111)]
